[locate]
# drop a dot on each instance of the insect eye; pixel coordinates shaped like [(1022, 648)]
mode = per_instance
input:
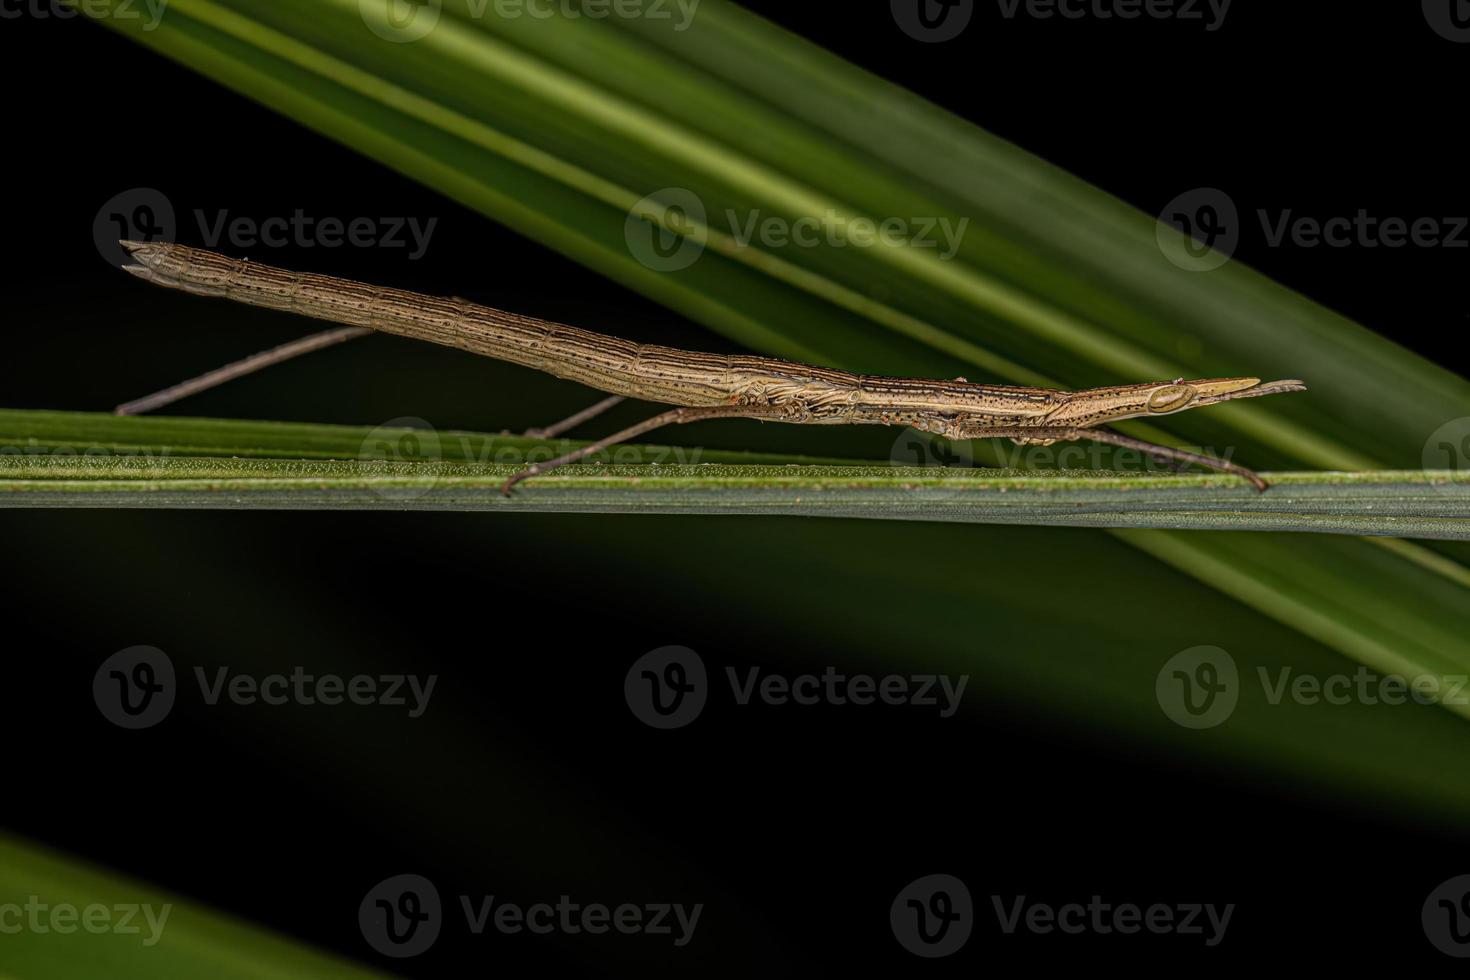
[(1170, 398)]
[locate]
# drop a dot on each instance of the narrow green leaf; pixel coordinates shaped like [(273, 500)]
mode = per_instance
[(341, 467), (69, 921)]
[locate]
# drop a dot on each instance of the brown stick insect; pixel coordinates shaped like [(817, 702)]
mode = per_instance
[(703, 386)]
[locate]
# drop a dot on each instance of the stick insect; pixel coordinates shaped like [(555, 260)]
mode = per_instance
[(702, 386)]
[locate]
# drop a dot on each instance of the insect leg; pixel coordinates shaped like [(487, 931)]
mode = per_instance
[(674, 416), (240, 368), (572, 421), (1169, 453)]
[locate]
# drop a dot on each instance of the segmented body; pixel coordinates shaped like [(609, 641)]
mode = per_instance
[(764, 387), (800, 392)]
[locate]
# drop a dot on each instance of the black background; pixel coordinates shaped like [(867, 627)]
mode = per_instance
[(795, 829)]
